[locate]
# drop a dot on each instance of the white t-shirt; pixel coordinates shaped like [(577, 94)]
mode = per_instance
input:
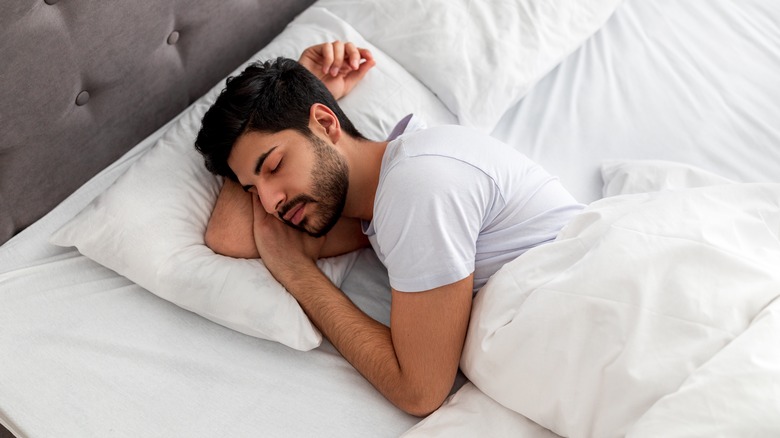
[(452, 201)]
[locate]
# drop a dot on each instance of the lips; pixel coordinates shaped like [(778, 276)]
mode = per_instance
[(295, 214)]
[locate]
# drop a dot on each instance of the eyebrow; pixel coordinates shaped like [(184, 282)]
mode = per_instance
[(259, 165)]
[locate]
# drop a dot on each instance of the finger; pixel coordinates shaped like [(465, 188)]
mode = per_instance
[(352, 55), (369, 62), (327, 57), (367, 55), (338, 57), (352, 79)]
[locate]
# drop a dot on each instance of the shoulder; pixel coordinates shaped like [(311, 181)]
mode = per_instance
[(428, 175), (443, 145), (448, 156)]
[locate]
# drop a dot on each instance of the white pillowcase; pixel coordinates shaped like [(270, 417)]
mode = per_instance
[(480, 57), (149, 225), (625, 177)]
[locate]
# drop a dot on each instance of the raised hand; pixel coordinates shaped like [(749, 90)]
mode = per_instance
[(339, 65)]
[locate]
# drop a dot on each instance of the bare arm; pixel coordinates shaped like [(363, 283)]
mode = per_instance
[(229, 231), (413, 362)]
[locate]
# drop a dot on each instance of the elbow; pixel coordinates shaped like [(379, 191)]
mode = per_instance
[(213, 240), (422, 395), (422, 405)]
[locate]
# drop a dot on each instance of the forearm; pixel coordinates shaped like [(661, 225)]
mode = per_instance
[(229, 231), (414, 363), (364, 342)]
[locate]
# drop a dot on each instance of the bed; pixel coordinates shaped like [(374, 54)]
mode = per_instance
[(654, 313)]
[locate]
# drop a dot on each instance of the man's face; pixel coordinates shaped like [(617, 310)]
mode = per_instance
[(301, 180)]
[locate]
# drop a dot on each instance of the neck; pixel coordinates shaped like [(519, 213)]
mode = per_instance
[(364, 158)]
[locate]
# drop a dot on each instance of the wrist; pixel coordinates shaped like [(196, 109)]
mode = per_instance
[(289, 274)]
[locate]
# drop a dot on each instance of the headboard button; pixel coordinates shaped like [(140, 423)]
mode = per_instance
[(50, 2), (82, 98), (173, 37)]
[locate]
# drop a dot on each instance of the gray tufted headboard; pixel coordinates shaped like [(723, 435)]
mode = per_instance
[(82, 81)]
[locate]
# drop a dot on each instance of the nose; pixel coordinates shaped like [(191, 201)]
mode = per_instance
[(271, 196)]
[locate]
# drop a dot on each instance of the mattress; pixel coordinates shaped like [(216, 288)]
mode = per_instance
[(87, 352)]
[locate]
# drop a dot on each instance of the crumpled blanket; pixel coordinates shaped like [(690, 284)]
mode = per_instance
[(650, 315)]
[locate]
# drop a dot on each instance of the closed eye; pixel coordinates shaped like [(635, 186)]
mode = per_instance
[(277, 167), (259, 165)]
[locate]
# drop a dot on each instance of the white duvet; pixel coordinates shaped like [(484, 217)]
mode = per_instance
[(650, 315)]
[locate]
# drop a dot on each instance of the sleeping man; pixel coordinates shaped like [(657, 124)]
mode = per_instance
[(444, 208)]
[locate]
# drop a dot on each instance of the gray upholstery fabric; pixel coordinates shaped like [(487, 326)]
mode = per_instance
[(83, 81)]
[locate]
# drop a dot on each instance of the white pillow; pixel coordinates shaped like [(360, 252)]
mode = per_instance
[(625, 177), (479, 56), (149, 225)]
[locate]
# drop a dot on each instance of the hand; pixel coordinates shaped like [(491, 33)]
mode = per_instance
[(340, 66), (284, 250)]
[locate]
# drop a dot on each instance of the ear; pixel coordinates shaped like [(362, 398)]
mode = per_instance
[(322, 120)]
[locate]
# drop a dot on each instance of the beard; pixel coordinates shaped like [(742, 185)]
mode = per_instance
[(330, 176)]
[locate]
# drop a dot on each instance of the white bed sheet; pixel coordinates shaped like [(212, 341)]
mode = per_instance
[(86, 352)]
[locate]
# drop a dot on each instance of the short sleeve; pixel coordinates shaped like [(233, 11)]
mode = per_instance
[(428, 214)]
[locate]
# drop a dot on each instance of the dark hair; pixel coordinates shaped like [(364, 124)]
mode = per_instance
[(269, 97)]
